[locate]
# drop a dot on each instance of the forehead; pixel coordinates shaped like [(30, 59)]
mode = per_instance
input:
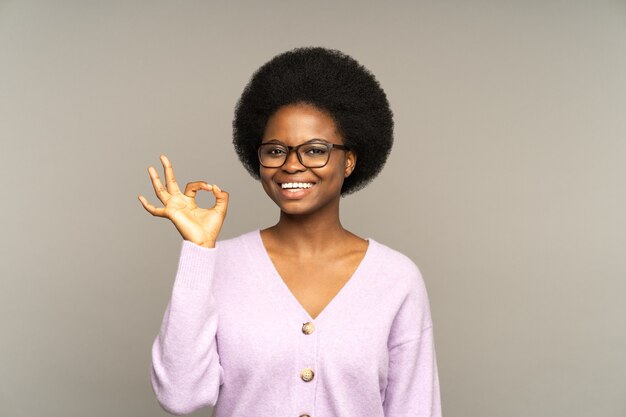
[(297, 123)]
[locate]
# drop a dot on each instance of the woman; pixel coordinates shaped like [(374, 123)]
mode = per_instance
[(303, 318)]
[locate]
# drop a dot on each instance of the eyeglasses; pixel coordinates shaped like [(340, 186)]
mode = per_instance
[(310, 154)]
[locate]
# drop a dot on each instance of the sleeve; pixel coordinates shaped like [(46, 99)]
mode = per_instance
[(186, 373), (413, 379)]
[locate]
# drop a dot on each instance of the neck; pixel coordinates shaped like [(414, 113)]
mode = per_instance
[(312, 233)]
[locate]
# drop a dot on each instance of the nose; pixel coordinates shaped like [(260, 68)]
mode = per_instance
[(292, 163)]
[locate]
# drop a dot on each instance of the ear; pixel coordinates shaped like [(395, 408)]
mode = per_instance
[(350, 163)]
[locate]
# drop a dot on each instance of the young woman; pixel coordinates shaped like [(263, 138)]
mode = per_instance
[(303, 318)]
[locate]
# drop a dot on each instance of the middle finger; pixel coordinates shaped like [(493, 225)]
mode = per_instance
[(170, 180)]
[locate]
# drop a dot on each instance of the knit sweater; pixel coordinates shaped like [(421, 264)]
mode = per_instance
[(234, 337)]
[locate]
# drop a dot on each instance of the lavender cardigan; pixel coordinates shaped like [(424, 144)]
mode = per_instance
[(234, 337)]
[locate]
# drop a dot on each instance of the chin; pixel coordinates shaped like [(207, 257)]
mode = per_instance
[(296, 208), (302, 207)]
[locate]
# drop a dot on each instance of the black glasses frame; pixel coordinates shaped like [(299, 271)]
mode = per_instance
[(330, 147)]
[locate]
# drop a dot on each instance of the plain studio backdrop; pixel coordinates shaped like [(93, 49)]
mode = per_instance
[(506, 185)]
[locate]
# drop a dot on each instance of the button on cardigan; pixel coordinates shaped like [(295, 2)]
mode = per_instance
[(234, 337)]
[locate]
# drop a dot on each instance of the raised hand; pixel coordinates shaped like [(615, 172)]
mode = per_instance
[(195, 224)]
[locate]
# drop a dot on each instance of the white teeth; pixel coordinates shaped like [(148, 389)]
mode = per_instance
[(296, 185)]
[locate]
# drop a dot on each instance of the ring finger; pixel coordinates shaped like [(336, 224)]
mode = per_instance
[(160, 191)]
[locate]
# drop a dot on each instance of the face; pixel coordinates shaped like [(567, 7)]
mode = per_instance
[(293, 125)]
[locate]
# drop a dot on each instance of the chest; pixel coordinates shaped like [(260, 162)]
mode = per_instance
[(260, 333), (315, 284)]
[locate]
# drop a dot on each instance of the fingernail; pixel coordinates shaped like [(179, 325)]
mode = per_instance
[(217, 188)]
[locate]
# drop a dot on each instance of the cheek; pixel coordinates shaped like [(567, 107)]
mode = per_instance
[(266, 179), (336, 170), (265, 174)]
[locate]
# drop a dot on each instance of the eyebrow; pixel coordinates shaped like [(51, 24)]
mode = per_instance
[(310, 140)]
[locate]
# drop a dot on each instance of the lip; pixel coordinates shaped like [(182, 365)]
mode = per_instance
[(295, 180)]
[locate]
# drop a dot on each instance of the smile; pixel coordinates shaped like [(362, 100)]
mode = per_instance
[(295, 190), (296, 185)]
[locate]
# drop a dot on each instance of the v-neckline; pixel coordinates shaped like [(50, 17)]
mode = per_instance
[(343, 292)]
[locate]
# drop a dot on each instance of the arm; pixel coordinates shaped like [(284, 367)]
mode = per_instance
[(186, 373), (413, 379)]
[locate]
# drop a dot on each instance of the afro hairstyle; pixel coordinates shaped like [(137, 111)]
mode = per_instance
[(335, 84)]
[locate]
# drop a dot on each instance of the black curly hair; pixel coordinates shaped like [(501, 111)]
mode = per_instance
[(337, 85)]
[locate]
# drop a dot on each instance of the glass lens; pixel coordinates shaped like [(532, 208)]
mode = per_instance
[(314, 154), (272, 154)]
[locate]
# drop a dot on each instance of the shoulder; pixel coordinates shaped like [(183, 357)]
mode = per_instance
[(395, 260), (415, 300), (398, 266), (236, 245), (235, 241), (237, 252)]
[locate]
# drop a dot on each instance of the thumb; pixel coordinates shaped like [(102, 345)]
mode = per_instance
[(221, 199)]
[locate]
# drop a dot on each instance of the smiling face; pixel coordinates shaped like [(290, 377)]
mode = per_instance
[(318, 188)]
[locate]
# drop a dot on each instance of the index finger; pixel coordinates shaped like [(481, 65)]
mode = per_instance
[(170, 180)]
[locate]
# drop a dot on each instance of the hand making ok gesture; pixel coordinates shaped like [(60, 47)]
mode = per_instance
[(195, 224)]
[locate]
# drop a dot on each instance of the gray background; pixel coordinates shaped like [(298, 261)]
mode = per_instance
[(505, 185)]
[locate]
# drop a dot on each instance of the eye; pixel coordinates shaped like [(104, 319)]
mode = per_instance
[(274, 151), (316, 150)]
